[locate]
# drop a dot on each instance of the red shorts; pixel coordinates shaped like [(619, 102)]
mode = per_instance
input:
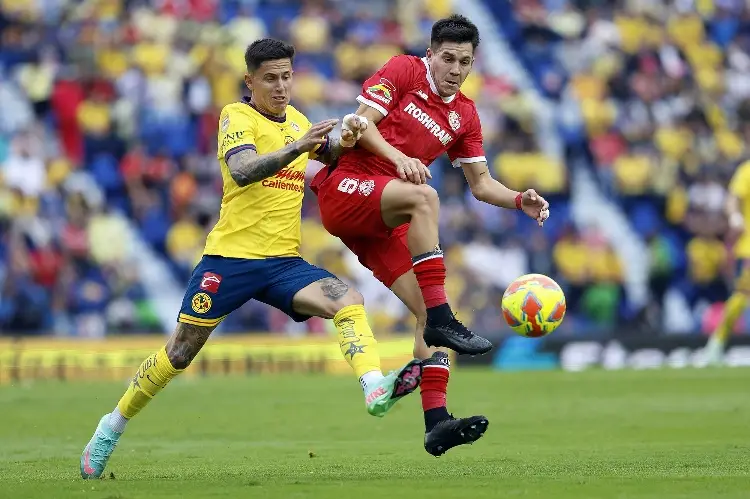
[(350, 210)]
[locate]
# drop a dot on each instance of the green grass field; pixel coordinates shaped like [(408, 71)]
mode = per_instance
[(553, 435)]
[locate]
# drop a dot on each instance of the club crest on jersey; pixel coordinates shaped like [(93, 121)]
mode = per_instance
[(382, 91), (201, 303), (225, 124), (288, 140), (454, 120), (366, 187)]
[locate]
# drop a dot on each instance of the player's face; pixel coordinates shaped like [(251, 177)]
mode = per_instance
[(271, 86), (450, 64)]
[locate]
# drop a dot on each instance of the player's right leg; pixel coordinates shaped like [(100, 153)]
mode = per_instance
[(152, 376), (442, 430), (368, 208), (733, 309), (418, 205), (204, 306)]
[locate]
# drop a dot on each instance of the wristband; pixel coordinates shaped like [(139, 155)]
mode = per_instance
[(519, 199)]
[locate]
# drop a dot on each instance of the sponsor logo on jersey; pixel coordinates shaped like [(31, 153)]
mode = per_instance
[(382, 91), (201, 303), (454, 120), (232, 138), (211, 282), (225, 124), (422, 94), (426, 121), (294, 126), (287, 179)]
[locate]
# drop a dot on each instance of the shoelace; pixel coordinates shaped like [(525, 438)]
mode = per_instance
[(103, 446), (460, 329)]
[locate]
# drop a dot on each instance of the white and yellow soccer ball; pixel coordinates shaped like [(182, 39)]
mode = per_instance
[(534, 305)]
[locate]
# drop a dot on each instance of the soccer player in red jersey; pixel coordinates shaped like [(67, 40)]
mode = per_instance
[(376, 200)]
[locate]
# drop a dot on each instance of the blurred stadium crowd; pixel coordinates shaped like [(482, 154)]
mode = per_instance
[(108, 118)]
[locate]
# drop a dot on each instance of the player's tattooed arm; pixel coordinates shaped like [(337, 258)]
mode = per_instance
[(185, 343), (247, 167)]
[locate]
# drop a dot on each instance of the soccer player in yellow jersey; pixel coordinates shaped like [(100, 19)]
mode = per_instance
[(738, 211), (253, 251)]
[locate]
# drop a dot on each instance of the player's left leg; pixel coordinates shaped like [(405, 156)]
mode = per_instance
[(303, 291), (442, 430), (733, 309)]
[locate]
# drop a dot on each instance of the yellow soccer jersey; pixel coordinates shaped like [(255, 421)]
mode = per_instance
[(262, 219), (740, 187)]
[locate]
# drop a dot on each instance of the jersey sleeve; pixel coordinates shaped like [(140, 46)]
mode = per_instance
[(468, 148), (383, 89), (740, 180), (237, 131)]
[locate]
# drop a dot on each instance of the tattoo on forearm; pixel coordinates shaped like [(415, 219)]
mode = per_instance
[(335, 149), (248, 167), (333, 288), (185, 344)]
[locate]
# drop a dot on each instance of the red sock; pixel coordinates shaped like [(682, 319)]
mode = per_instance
[(434, 387), (430, 272)]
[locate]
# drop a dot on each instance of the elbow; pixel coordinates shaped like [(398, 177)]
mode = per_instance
[(479, 192), (240, 179)]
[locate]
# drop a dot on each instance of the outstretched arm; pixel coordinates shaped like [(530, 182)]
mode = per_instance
[(248, 167), (487, 189)]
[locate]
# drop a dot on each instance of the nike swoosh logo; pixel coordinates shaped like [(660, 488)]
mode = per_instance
[(86, 466)]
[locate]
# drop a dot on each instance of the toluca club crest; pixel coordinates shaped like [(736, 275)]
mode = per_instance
[(454, 120)]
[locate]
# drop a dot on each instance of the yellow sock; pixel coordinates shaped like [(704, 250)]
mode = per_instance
[(153, 375), (732, 311), (356, 340)]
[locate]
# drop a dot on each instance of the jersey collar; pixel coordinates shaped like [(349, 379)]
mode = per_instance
[(433, 87), (277, 119)]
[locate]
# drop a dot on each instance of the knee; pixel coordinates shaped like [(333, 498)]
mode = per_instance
[(424, 199), (351, 297)]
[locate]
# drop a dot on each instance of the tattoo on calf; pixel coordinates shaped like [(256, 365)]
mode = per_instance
[(185, 344), (333, 288)]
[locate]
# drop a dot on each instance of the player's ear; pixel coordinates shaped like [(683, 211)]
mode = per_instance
[(249, 81), (429, 52)]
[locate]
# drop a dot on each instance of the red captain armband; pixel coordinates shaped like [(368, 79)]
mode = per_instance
[(519, 200)]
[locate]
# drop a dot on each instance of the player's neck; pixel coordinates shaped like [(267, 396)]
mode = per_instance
[(280, 118)]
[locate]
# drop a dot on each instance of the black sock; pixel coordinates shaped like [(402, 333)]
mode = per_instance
[(434, 416), (440, 315)]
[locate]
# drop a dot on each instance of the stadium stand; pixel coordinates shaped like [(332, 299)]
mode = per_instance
[(109, 119)]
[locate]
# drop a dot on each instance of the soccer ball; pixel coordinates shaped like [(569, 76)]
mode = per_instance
[(534, 305)]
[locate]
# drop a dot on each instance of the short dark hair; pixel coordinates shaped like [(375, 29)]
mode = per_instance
[(456, 29), (267, 49)]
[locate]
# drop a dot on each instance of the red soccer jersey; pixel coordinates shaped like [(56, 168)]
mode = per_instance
[(417, 122)]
